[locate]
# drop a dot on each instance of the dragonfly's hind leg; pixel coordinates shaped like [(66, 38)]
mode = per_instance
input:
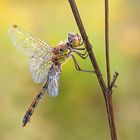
[(78, 67)]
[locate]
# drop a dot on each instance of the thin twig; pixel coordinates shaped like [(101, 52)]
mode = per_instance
[(88, 45), (116, 74), (107, 42), (105, 89), (110, 84)]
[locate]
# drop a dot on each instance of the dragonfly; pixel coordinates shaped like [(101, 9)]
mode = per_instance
[(45, 61)]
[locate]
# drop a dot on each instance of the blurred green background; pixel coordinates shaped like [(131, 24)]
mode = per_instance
[(78, 113)]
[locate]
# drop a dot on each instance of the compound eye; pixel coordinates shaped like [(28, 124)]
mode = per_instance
[(69, 37)]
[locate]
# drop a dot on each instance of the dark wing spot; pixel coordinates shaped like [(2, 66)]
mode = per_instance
[(15, 26)]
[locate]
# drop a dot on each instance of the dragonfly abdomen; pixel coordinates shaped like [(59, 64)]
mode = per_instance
[(34, 104)]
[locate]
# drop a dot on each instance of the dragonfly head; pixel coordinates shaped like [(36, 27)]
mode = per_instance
[(74, 39)]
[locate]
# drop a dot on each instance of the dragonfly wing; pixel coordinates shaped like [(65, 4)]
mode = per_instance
[(53, 80), (39, 69), (40, 52), (26, 43)]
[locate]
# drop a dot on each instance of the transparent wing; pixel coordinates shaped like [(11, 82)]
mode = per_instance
[(40, 52), (26, 43), (53, 80), (39, 69)]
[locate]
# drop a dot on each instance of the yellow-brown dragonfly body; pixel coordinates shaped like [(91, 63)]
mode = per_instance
[(45, 61)]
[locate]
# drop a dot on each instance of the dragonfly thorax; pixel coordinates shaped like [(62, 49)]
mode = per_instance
[(60, 53)]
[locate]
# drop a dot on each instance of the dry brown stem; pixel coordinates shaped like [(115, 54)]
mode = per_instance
[(107, 89)]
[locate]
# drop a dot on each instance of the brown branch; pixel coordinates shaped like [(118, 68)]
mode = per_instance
[(105, 89), (108, 98), (88, 45), (110, 113)]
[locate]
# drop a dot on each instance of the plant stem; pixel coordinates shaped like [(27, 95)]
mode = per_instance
[(110, 113), (108, 97), (87, 45), (105, 89), (107, 42)]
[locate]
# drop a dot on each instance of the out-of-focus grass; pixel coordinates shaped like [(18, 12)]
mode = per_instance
[(78, 112)]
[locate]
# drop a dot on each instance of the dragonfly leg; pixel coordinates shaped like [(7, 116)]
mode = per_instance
[(79, 48), (78, 67), (34, 104), (82, 43), (82, 55)]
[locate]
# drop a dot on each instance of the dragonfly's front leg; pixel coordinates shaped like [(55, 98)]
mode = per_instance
[(82, 43), (79, 48), (82, 55), (78, 67)]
